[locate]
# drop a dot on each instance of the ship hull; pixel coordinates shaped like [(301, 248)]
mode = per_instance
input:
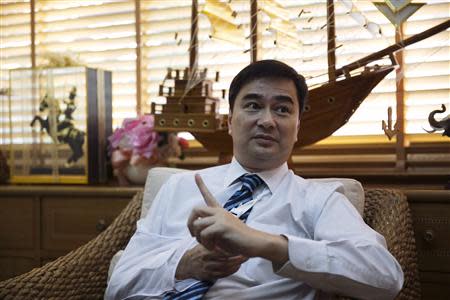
[(329, 107)]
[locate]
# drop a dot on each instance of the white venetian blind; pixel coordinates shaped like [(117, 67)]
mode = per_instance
[(165, 29), (101, 34), (15, 41), (427, 67)]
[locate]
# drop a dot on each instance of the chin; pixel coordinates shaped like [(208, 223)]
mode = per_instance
[(266, 160)]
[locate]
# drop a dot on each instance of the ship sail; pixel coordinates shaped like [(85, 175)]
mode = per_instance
[(223, 22), (280, 23)]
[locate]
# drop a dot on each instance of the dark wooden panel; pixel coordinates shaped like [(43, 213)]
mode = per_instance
[(432, 233), (16, 222), (13, 266), (435, 286), (70, 222), (111, 192)]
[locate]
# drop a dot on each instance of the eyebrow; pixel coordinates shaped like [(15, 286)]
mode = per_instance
[(282, 98)]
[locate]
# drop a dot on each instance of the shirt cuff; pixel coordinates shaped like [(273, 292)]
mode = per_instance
[(305, 257)]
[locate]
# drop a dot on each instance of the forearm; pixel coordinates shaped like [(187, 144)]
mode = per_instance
[(360, 269), (145, 270)]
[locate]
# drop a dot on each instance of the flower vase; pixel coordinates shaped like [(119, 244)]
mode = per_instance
[(137, 174)]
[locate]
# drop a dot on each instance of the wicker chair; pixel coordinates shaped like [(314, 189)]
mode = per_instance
[(82, 273)]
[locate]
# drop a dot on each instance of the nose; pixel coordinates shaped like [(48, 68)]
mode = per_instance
[(266, 119)]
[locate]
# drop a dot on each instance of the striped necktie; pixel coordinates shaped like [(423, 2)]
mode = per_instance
[(249, 183)]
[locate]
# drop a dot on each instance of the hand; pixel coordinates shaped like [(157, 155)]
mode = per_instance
[(203, 264), (219, 230)]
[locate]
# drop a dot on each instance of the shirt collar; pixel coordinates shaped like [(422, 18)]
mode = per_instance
[(272, 178)]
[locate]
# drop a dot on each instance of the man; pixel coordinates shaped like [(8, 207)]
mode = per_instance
[(252, 229)]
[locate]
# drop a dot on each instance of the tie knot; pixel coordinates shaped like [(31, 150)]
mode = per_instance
[(251, 181)]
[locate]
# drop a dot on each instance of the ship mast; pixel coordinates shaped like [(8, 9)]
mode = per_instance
[(391, 49), (193, 47), (331, 37)]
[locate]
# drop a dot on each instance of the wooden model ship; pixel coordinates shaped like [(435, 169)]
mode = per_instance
[(190, 105), (329, 107)]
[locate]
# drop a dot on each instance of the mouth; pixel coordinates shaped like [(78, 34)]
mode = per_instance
[(265, 137)]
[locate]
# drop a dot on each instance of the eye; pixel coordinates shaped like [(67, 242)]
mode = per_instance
[(283, 109), (252, 106)]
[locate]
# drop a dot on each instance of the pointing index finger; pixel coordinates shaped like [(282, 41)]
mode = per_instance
[(209, 198)]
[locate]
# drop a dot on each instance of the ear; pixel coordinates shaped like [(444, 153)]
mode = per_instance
[(230, 116), (298, 128)]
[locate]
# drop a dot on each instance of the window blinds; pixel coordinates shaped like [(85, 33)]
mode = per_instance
[(102, 34), (15, 52)]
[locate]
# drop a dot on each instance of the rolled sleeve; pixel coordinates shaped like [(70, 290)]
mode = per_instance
[(342, 254), (312, 257)]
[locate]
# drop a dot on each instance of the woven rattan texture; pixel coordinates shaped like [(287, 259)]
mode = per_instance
[(81, 274), (387, 211)]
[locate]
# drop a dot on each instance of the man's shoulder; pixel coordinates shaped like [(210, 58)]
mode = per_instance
[(313, 185), (315, 191)]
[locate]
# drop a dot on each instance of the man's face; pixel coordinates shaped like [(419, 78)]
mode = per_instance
[(264, 123)]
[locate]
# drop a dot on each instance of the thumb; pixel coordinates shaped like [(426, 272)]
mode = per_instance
[(209, 198)]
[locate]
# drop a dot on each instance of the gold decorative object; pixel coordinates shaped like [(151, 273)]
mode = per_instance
[(60, 119), (58, 60)]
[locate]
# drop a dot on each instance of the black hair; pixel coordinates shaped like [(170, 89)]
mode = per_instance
[(268, 69)]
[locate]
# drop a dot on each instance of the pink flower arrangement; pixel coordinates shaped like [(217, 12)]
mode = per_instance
[(136, 139), (137, 144)]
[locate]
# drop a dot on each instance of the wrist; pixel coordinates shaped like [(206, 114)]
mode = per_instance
[(272, 247), (182, 272)]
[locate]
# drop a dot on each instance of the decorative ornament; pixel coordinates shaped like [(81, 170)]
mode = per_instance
[(136, 147), (443, 124), (397, 11), (361, 19), (387, 128), (59, 60), (61, 130)]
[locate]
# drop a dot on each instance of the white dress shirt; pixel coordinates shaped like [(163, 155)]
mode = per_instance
[(331, 249)]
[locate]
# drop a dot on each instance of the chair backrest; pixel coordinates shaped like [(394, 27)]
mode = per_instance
[(156, 177)]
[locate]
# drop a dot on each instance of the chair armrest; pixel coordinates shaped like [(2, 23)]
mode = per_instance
[(387, 212), (82, 273)]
